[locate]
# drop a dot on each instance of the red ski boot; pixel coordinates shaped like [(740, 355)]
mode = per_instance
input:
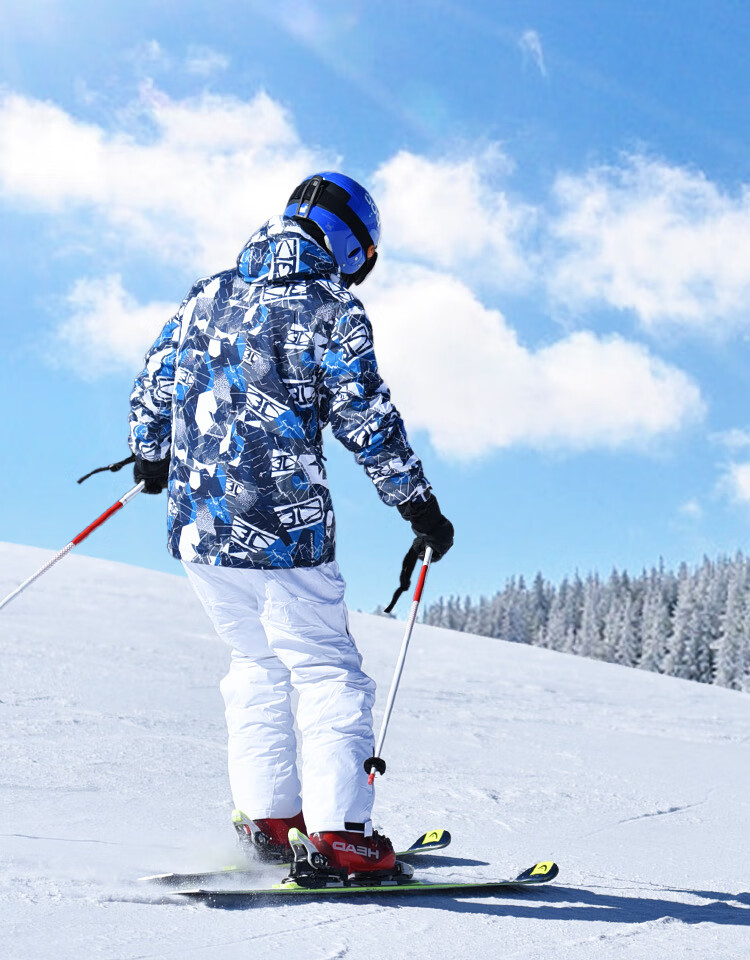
[(355, 853), (344, 858), (266, 838)]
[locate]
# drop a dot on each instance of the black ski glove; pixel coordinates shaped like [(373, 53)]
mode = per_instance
[(154, 473), (430, 527)]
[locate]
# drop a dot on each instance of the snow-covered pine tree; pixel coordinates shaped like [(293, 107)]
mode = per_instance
[(629, 643), (453, 615), (558, 622), (689, 653), (592, 625), (612, 617), (540, 602), (433, 614), (656, 623), (733, 642), (712, 583), (472, 615), (574, 614), (519, 613)]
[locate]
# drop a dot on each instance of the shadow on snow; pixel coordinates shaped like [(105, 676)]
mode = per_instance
[(558, 903)]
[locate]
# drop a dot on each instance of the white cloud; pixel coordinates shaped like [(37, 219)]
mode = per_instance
[(662, 241), (736, 482), (185, 181), (212, 170), (734, 439), (203, 61), (459, 372), (472, 387), (150, 52), (449, 214), (303, 19), (691, 509), (531, 46), (106, 328)]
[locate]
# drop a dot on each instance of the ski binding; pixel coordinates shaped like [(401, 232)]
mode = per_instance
[(311, 870), (428, 842)]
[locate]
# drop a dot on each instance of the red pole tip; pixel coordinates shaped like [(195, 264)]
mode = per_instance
[(371, 779)]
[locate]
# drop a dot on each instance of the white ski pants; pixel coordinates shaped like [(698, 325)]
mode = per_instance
[(289, 629)]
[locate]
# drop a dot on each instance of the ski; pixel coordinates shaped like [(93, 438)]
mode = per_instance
[(540, 873), (427, 843)]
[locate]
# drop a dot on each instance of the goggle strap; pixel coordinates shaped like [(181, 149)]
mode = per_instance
[(317, 192)]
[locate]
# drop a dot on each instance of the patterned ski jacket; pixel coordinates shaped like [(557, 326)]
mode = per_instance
[(238, 388)]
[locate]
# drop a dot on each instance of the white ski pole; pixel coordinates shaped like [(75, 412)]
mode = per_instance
[(376, 764), (74, 542)]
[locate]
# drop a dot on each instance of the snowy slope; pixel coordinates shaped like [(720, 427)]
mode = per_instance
[(113, 760)]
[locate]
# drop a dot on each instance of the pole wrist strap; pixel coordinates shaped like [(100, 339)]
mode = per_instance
[(407, 569), (113, 467)]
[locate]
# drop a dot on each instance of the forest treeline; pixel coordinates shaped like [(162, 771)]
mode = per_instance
[(692, 623)]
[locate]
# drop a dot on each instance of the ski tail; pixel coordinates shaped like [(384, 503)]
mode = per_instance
[(432, 840), (541, 872)]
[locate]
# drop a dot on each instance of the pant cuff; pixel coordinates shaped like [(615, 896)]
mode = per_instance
[(268, 814), (337, 826)]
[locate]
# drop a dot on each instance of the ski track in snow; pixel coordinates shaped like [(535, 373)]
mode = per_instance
[(114, 766), (646, 816), (664, 813)]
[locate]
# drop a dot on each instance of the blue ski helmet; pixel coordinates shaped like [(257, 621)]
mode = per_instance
[(347, 215)]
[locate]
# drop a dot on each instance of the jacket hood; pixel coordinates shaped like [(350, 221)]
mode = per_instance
[(281, 252)]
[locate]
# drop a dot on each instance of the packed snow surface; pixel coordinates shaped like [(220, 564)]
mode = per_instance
[(113, 766)]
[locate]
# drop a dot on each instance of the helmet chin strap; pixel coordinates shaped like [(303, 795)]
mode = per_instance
[(354, 279)]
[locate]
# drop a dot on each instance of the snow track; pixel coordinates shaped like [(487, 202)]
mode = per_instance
[(113, 766)]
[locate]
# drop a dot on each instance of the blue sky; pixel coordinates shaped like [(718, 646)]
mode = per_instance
[(561, 308)]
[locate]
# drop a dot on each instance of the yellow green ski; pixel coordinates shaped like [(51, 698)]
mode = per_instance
[(540, 873)]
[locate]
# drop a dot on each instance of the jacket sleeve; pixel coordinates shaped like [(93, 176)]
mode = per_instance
[(151, 400), (361, 413)]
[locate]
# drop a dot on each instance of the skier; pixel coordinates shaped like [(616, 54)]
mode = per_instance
[(228, 413)]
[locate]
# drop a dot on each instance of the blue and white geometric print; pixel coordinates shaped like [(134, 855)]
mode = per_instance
[(238, 388)]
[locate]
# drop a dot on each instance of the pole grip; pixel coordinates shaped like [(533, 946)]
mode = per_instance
[(118, 505)]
